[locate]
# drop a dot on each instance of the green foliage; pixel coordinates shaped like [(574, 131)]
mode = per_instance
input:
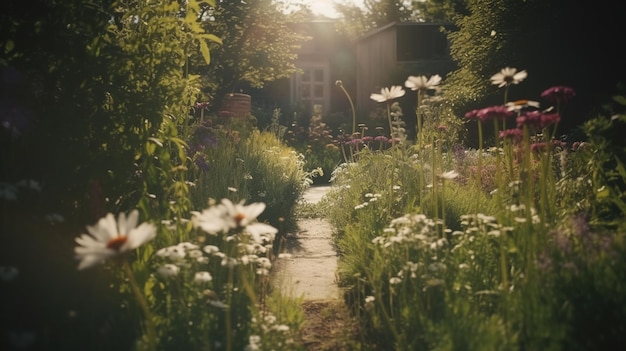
[(517, 249), (258, 168), (104, 95), (609, 172)]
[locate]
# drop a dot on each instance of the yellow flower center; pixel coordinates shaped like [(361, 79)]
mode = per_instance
[(117, 242), (520, 102)]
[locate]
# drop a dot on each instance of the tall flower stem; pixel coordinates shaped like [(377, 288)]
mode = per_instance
[(340, 85), (419, 119), (435, 205), (229, 327), (143, 305), (480, 160), (390, 124)]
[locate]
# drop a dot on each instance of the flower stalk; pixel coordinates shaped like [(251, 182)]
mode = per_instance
[(143, 305)]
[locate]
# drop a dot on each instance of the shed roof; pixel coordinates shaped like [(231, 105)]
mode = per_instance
[(399, 24)]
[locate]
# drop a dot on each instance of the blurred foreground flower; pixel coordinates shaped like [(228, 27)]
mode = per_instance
[(110, 238)]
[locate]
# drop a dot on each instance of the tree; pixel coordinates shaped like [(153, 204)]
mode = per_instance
[(356, 21), (439, 10), (260, 45), (384, 12)]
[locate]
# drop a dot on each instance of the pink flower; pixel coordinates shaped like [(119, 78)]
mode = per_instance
[(558, 94), (494, 112), (473, 114), (513, 134), (537, 119), (489, 113)]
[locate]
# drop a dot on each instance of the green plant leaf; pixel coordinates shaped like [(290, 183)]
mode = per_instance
[(204, 49)]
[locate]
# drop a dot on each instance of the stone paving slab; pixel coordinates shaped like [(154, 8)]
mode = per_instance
[(310, 271)]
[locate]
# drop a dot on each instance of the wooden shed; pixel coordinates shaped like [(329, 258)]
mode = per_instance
[(388, 55)]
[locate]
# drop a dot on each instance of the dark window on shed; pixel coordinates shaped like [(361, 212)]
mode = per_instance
[(421, 43)]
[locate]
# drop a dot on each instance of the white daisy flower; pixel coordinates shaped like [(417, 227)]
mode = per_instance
[(508, 76), (110, 238), (519, 105), (387, 94), (423, 83)]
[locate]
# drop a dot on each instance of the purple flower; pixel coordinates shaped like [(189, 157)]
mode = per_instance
[(202, 163), (537, 119), (489, 113), (381, 138), (538, 147), (493, 112), (558, 94), (353, 142), (473, 114)]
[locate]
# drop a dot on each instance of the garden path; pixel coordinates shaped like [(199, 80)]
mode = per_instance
[(310, 271)]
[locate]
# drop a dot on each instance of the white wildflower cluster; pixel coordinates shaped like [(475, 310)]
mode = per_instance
[(308, 178), (183, 255), (271, 330), (342, 171), (414, 236), (370, 198), (238, 223), (522, 215), (409, 269), (479, 223), (413, 230)]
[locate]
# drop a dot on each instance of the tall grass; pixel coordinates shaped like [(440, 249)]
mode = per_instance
[(497, 255)]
